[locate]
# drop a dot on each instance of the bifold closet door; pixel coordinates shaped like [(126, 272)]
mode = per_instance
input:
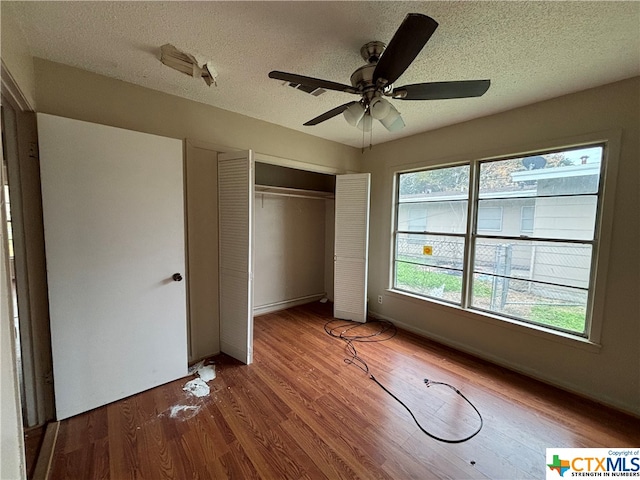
[(235, 245), (351, 246), (114, 237)]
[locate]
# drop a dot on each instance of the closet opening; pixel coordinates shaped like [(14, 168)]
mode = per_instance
[(294, 216)]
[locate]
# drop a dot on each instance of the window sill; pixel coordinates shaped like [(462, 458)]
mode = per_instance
[(502, 322)]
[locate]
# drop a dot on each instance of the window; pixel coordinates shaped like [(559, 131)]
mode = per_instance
[(514, 237), (527, 214)]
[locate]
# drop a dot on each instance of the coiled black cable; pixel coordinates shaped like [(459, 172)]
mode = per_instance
[(347, 331)]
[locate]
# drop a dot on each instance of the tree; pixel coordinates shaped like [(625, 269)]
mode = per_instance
[(494, 175)]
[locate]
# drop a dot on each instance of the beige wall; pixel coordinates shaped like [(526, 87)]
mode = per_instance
[(74, 93), (289, 254), (69, 92), (201, 171), (611, 373)]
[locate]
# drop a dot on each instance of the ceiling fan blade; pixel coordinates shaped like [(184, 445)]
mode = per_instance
[(311, 82), (442, 90), (330, 114), (412, 35)]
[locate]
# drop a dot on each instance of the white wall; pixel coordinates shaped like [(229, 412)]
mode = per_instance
[(610, 373), (289, 246)]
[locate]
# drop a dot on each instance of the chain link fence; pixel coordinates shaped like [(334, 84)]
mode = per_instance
[(518, 272)]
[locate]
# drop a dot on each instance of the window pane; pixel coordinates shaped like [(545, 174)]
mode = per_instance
[(451, 181), (548, 262), (436, 250), (441, 217), (565, 218), (562, 218), (572, 172), (489, 219), (552, 306), (429, 281)]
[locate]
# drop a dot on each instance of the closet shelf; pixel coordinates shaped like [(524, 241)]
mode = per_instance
[(291, 192)]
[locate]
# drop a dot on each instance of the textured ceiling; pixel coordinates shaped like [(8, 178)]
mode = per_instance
[(531, 51)]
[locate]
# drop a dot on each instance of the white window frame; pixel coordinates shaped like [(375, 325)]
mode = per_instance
[(611, 142)]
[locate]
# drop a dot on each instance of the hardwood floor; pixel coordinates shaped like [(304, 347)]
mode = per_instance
[(32, 442), (300, 412)]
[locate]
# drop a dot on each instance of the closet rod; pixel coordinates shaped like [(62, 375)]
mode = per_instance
[(297, 195)]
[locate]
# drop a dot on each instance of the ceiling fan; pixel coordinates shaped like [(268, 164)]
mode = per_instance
[(374, 80)]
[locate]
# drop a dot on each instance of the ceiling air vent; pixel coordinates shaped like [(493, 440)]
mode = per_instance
[(187, 64), (316, 92)]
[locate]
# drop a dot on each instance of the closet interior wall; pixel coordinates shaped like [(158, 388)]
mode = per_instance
[(293, 237)]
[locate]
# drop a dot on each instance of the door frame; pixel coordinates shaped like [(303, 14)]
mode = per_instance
[(37, 397)]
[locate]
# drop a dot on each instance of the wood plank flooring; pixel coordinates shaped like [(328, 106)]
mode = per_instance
[(32, 442), (300, 412)]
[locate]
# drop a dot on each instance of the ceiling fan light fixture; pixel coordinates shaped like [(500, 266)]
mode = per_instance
[(379, 108), (393, 120), (354, 114), (397, 125)]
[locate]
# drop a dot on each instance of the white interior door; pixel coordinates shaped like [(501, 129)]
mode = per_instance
[(351, 246), (235, 245), (114, 235)]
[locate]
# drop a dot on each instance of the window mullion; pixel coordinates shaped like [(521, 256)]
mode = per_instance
[(469, 249)]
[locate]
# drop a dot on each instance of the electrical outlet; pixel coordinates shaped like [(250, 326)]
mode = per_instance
[(379, 298)]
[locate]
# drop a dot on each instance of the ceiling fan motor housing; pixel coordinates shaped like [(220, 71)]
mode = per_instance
[(362, 78)]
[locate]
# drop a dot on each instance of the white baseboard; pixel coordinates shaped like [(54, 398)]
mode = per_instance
[(284, 304), (522, 369)]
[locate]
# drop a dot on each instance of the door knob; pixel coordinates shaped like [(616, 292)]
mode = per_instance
[(177, 277)]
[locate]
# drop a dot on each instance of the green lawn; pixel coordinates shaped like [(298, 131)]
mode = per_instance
[(568, 318), (418, 279), (414, 276)]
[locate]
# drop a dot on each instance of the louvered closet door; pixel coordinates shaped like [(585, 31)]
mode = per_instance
[(351, 246), (235, 235)]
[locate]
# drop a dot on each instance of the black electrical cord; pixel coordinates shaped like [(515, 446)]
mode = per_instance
[(342, 330), (348, 333)]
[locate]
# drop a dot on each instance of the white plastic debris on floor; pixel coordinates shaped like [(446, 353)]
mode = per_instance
[(184, 411), (198, 386), (207, 373)]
